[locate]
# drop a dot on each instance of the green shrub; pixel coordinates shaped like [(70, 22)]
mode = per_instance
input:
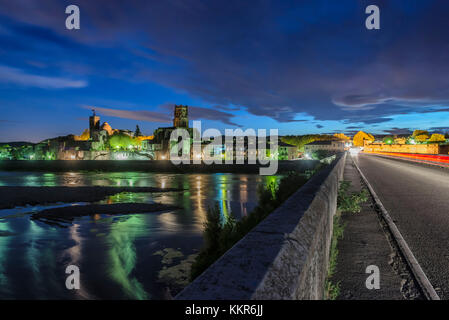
[(321, 154), (332, 290), (346, 202), (337, 234), (350, 202), (220, 235)]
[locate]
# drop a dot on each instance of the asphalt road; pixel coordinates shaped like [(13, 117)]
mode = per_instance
[(417, 199)]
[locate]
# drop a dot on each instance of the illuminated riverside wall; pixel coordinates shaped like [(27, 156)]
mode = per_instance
[(148, 166), (286, 256), (405, 148), (103, 155)]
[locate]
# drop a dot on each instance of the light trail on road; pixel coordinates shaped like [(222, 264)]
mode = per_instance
[(429, 158), (416, 197)]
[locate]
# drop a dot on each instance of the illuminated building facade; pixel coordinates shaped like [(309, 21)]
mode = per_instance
[(161, 141), (181, 117), (332, 146), (94, 125)]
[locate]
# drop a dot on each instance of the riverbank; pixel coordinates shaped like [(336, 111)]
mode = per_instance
[(11, 197), (161, 166)]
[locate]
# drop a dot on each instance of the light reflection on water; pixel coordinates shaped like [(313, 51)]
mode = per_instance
[(120, 257)]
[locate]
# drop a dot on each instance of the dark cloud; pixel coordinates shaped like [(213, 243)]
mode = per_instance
[(201, 113), (165, 114), (444, 130), (367, 120), (274, 58), (398, 131), (16, 76), (211, 114), (366, 102), (319, 126), (226, 108), (434, 110), (376, 120), (141, 115)]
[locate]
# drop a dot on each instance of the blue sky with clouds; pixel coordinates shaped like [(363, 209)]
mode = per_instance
[(300, 66)]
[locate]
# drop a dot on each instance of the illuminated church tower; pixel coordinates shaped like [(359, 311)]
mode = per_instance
[(181, 119), (94, 124)]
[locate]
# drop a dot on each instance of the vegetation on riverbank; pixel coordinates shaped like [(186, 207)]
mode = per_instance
[(301, 140), (220, 234)]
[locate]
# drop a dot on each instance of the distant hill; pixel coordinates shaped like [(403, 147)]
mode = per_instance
[(301, 140), (17, 143)]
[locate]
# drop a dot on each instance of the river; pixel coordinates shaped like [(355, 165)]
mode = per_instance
[(136, 256)]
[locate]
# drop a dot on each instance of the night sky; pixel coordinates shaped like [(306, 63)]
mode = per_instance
[(300, 66)]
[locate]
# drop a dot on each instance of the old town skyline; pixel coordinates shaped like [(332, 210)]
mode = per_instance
[(301, 68)]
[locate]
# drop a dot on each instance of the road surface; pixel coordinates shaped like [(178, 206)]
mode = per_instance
[(417, 199)]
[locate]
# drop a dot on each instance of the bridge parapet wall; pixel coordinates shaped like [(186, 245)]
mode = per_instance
[(286, 256)]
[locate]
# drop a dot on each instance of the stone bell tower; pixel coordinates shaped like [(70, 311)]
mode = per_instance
[(94, 124), (181, 119)]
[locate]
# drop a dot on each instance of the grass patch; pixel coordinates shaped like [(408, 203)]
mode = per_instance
[(346, 202), (332, 290), (350, 201)]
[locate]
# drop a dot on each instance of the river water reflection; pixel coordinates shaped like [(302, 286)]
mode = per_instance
[(136, 256)]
